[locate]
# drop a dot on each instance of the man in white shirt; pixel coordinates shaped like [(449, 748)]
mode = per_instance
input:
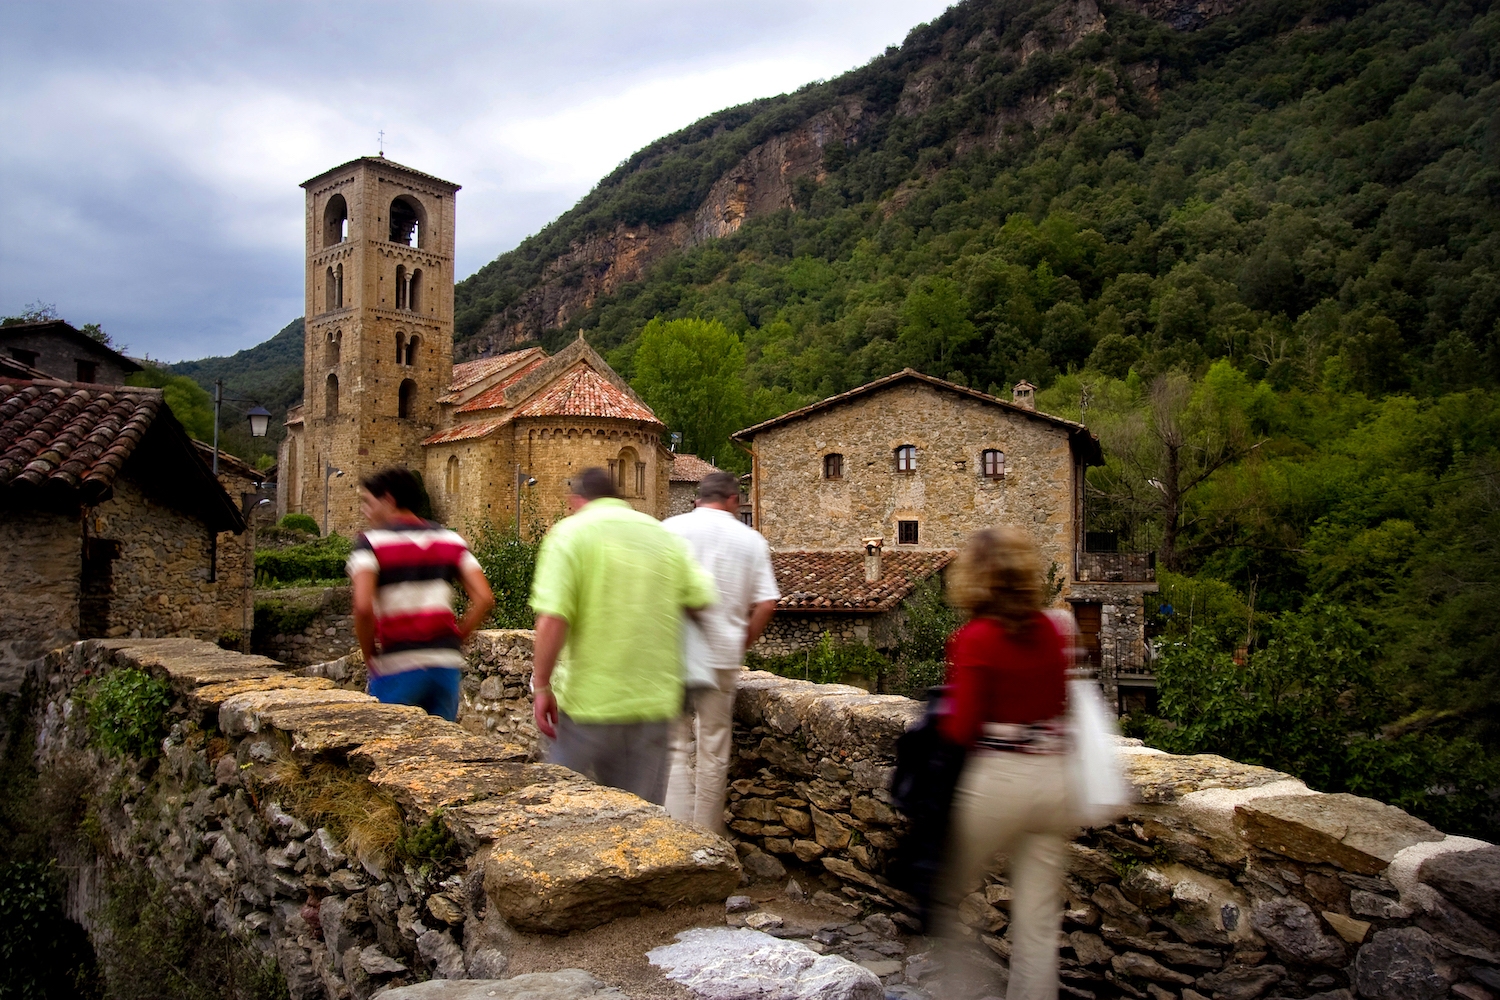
[(714, 641)]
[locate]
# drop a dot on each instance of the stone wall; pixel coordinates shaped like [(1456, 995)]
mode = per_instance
[(947, 495), (362, 845), (304, 625), (790, 632), (40, 559), (1223, 880), (1122, 631)]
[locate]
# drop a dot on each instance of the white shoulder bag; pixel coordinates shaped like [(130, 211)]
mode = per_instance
[(1097, 789)]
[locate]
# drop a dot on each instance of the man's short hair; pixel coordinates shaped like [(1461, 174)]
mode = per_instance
[(593, 484), (716, 487), (401, 485)]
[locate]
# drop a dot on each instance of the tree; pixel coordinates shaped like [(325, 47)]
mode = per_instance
[(935, 326), (690, 371), (189, 402), (1160, 453)]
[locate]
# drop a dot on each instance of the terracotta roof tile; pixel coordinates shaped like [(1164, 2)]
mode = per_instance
[(690, 469), (70, 437), (835, 581), (467, 431), (494, 397), (583, 392), (471, 373)]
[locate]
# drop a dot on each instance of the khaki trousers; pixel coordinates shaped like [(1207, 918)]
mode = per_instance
[(1015, 804), (700, 755)]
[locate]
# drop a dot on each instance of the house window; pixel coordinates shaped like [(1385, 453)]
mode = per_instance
[(992, 461), (24, 356), (88, 371), (906, 532), (833, 466), (404, 397), (906, 458)]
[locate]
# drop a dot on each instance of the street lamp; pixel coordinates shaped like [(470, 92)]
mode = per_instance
[(259, 416), (329, 472), (521, 480)]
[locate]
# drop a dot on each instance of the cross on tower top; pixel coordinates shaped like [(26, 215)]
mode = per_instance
[(381, 135)]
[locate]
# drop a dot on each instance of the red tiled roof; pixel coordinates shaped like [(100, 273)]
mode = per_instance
[(835, 581), (494, 396), (1083, 441), (467, 431), (583, 392), (690, 469), (471, 373), (63, 436), (69, 441)]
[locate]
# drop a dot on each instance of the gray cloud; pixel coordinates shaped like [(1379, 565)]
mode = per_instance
[(153, 150)]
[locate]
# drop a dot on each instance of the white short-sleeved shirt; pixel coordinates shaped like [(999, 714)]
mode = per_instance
[(739, 560)]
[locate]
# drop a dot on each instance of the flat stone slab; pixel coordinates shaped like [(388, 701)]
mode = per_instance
[(253, 711), (1357, 834), (721, 963), (566, 984), (424, 785), (575, 855), (1469, 878), (1160, 778), (449, 747)]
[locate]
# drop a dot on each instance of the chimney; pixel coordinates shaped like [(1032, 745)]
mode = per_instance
[(1023, 394), (872, 558)]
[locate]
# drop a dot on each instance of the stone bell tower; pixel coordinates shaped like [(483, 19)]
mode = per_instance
[(379, 328)]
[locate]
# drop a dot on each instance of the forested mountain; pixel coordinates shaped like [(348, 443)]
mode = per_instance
[(270, 373)]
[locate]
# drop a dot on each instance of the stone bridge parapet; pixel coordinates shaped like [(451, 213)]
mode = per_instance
[(362, 844)]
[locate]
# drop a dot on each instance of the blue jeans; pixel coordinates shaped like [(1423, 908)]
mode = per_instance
[(434, 689)]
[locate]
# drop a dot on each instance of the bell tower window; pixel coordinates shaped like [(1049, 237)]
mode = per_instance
[(335, 346), (405, 398), (400, 348), (414, 292), (335, 221), (411, 350), (408, 221), (402, 286), (328, 292), (331, 397)]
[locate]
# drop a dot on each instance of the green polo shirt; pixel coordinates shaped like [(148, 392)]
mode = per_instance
[(622, 581)]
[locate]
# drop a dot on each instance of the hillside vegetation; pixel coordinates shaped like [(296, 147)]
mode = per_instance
[(270, 373)]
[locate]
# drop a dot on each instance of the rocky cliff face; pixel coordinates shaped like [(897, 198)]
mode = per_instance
[(764, 181)]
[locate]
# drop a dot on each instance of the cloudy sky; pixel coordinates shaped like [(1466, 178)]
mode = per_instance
[(152, 151)]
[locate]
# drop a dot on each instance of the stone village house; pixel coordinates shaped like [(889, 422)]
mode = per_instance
[(56, 349), (865, 494), (111, 523)]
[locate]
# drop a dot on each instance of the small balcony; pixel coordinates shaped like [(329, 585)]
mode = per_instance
[(1117, 567)]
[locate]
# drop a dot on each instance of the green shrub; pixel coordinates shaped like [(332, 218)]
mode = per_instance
[(508, 563), (827, 662), (300, 522), (127, 712), (318, 561), (276, 618)]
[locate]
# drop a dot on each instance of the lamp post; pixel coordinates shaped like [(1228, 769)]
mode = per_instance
[(329, 472), (259, 417), (521, 480)]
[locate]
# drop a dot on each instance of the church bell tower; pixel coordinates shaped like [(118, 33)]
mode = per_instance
[(379, 328)]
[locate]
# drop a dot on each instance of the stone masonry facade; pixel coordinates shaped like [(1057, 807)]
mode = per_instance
[(39, 588), (947, 493)]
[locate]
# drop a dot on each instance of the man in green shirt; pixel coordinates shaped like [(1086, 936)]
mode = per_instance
[(610, 591)]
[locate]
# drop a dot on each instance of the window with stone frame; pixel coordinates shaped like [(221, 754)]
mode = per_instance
[(331, 396), (833, 466), (906, 532), (992, 463), (906, 458), (450, 481), (406, 398), (640, 479)]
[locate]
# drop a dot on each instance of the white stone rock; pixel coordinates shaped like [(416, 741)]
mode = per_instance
[(725, 964), (566, 984)]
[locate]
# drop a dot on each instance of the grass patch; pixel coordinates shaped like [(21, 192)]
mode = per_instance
[(366, 821)]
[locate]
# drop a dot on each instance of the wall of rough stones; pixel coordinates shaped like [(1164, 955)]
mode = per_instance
[(789, 632), (1122, 631), (326, 618), (239, 817), (1224, 880), (38, 588)]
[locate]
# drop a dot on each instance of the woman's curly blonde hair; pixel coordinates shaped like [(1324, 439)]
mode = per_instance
[(998, 575)]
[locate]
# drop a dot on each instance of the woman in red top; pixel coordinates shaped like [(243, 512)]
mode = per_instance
[(1007, 672)]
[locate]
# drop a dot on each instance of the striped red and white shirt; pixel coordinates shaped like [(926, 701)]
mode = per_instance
[(416, 566)]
